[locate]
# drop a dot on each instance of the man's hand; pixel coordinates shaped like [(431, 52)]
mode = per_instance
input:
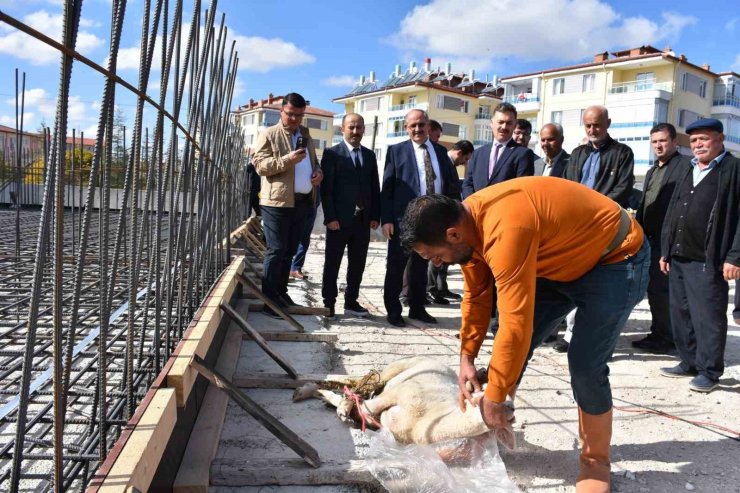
[(332, 225), (295, 157), (388, 230), (665, 267), (730, 271), (467, 374), (496, 414), (374, 224), (316, 177)]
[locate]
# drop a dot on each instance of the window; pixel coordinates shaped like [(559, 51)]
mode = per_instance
[(271, 118), (463, 133), (556, 117), (452, 103), (644, 81), (319, 144), (370, 104), (248, 119), (315, 123), (589, 81), (484, 111), (483, 133), (450, 129), (412, 101), (694, 84), (378, 154), (686, 117), (249, 140), (558, 86)]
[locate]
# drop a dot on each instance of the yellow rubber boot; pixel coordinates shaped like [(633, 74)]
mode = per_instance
[(595, 431)]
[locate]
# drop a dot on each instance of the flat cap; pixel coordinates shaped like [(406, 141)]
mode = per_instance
[(705, 124)]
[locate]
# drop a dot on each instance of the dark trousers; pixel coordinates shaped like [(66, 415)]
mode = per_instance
[(300, 255), (283, 227), (736, 310), (437, 279), (699, 297), (657, 293), (417, 277), (605, 297), (356, 238)]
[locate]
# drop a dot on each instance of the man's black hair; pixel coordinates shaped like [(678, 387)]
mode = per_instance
[(667, 127), (505, 108), (434, 125), (524, 125), (294, 99), (427, 218), (464, 145)]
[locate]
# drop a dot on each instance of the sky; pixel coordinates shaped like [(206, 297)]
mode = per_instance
[(321, 48)]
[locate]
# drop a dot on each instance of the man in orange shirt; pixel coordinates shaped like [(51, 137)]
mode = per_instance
[(551, 245)]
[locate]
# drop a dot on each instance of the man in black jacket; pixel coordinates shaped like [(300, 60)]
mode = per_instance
[(603, 164), (350, 194), (660, 182), (701, 250)]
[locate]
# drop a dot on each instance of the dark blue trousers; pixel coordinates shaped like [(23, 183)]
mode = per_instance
[(699, 297), (657, 293), (300, 255), (283, 227), (605, 297)]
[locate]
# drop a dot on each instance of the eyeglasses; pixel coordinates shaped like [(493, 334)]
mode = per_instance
[(297, 116)]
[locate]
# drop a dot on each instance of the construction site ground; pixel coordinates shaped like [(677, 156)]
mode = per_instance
[(666, 437)]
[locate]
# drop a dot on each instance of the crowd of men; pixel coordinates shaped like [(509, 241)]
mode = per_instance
[(577, 243)]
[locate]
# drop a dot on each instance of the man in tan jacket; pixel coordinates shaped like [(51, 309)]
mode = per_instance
[(285, 158)]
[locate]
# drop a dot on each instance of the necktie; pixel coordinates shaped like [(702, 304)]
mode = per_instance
[(429, 175), (494, 158), (358, 166)]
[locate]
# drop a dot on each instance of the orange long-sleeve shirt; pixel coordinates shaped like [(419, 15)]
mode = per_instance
[(528, 228)]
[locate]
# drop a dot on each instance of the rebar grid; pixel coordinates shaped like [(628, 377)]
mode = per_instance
[(96, 294)]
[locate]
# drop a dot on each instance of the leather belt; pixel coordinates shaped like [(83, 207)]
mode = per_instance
[(624, 227)]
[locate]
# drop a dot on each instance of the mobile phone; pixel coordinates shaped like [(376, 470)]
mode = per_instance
[(301, 143)]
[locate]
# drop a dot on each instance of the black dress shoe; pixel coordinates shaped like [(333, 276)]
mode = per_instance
[(428, 300), (653, 345), (396, 320), (550, 338), (354, 308), (450, 295), (561, 346), (331, 315), (439, 300), (422, 316)]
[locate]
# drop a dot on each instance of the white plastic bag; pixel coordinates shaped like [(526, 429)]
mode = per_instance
[(473, 465)]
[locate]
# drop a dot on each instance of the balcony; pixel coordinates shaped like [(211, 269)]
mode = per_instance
[(392, 135), (648, 88), (524, 102), (338, 119), (402, 109), (727, 105), (483, 116)]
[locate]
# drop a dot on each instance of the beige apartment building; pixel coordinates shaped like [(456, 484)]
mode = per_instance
[(458, 101), (255, 116), (640, 87)]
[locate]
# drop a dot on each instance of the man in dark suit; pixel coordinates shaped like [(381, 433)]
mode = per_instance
[(350, 195), (413, 168), (555, 160), (660, 182), (500, 160)]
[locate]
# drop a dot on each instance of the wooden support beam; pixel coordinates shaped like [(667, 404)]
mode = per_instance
[(297, 336), (278, 429), (294, 310), (287, 472), (261, 342), (251, 286), (194, 473), (276, 381)]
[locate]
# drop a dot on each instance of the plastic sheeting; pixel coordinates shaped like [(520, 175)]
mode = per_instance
[(471, 465)]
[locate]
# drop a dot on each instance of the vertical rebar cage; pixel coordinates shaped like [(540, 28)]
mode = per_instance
[(98, 285)]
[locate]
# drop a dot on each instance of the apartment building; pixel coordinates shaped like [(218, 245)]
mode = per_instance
[(640, 87), (459, 102), (255, 116)]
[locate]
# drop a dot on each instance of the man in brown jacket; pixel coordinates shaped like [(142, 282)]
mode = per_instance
[(285, 158)]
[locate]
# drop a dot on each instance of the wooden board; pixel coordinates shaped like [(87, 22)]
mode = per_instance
[(198, 339), (241, 472), (281, 381), (297, 336), (138, 461), (193, 475), (292, 310)]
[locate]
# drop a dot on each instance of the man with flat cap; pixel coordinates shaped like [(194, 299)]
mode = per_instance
[(700, 250)]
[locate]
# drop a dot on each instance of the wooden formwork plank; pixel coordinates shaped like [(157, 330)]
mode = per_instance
[(279, 381), (138, 461), (198, 339), (193, 475), (288, 472)]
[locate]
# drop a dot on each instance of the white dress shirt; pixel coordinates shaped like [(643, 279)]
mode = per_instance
[(419, 152), (352, 153)]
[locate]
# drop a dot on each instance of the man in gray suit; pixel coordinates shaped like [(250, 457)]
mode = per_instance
[(555, 160)]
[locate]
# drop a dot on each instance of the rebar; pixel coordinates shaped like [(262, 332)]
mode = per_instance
[(98, 284)]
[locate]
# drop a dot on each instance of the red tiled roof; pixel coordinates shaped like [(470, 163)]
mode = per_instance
[(275, 102), (6, 129), (86, 142)]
